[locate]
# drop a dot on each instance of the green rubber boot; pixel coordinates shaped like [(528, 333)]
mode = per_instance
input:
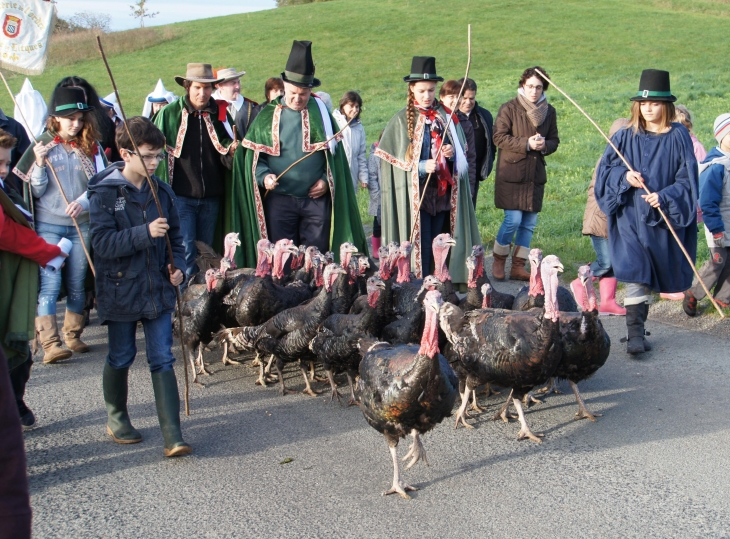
[(118, 425), (167, 399)]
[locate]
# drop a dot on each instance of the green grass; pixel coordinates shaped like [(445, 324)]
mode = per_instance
[(594, 51)]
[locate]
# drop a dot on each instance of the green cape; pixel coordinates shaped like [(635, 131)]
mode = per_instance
[(399, 182), (246, 202)]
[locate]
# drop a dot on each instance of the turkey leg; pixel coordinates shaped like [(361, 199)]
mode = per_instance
[(475, 403), (353, 398), (462, 409), (313, 374), (282, 388), (227, 360), (488, 391), (308, 390), (551, 387), (191, 358), (335, 393), (502, 414), (416, 451), (399, 486), (525, 431), (583, 412)]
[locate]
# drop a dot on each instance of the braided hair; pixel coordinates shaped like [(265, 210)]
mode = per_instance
[(411, 117)]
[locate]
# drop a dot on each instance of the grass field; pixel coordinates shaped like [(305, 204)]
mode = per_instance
[(594, 51)]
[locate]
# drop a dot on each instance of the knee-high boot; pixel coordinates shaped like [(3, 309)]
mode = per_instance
[(167, 399), (116, 389)]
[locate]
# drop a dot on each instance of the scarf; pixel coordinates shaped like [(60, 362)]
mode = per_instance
[(437, 128), (536, 112)]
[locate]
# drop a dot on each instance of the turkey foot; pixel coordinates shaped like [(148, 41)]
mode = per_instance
[(416, 451), (583, 412), (488, 391), (256, 361), (282, 388), (308, 390), (529, 398), (502, 414), (460, 415), (353, 399), (551, 387), (399, 487), (525, 431), (335, 393), (475, 403), (313, 374)]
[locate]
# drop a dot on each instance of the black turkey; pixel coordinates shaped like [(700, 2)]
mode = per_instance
[(476, 280), (534, 296), (209, 259)]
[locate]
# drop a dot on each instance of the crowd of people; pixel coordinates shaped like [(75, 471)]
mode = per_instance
[(289, 168)]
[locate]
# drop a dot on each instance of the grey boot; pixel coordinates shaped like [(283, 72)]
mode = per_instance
[(635, 318), (167, 400), (118, 425)]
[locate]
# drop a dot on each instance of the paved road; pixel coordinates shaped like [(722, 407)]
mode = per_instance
[(655, 465)]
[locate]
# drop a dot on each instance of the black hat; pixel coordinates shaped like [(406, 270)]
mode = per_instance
[(67, 100), (423, 68), (654, 86), (300, 66)]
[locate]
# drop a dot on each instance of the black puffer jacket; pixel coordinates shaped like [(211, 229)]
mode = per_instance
[(132, 280)]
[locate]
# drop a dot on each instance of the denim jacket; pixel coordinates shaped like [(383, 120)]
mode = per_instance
[(132, 280)]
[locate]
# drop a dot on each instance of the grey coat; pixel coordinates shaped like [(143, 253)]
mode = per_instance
[(374, 182)]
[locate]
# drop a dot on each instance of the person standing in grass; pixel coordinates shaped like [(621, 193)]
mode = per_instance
[(448, 95), (353, 138), (525, 131), (409, 150), (643, 252), (715, 205)]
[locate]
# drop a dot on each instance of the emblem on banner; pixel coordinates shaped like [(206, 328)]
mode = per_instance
[(11, 26)]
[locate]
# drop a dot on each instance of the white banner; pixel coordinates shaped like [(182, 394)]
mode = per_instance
[(25, 27)]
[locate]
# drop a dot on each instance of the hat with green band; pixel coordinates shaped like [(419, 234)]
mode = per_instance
[(300, 66), (67, 100), (654, 86), (423, 68)]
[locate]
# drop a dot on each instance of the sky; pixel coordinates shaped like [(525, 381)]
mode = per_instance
[(169, 10)]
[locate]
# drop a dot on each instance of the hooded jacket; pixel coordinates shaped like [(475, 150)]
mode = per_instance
[(715, 194), (132, 280)]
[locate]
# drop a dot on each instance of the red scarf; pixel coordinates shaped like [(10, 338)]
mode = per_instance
[(437, 128)]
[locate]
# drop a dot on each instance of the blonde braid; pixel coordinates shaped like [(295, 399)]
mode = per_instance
[(411, 115)]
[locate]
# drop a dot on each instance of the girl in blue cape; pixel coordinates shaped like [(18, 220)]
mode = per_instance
[(643, 251)]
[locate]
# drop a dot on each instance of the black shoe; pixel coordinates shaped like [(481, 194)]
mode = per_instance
[(689, 304), (27, 419), (635, 318)]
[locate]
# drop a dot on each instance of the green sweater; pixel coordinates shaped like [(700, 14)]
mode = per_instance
[(298, 180)]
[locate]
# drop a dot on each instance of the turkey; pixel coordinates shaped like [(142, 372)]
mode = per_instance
[(200, 320), (586, 345), (512, 349), (305, 273), (409, 328), (476, 280), (346, 290), (534, 296), (297, 261), (406, 286), (385, 268), (406, 389), (335, 345), (287, 335), (442, 244), (208, 258)]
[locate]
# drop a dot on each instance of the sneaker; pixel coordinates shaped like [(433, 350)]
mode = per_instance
[(689, 304)]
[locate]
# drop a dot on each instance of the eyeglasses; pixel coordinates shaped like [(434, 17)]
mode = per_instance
[(150, 158), (537, 88)]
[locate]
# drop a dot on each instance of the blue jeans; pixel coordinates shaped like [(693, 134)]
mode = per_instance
[(522, 222), (73, 272), (602, 266), (198, 219), (158, 343)]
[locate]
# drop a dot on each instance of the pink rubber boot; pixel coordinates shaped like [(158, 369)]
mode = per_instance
[(579, 292), (376, 246), (608, 304)]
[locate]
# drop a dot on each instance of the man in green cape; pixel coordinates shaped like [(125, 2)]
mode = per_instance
[(200, 140), (312, 203)]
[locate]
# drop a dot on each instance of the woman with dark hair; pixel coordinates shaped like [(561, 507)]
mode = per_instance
[(525, 131), (448, 96), (643, 252), (273, 88), (353, 138)]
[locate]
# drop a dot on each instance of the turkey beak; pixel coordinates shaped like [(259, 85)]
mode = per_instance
[(237, 242), (451, 242), (380, 284), (292, 249), (559, 267)]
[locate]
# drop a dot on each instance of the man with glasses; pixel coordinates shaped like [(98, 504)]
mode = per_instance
[(199, 148)]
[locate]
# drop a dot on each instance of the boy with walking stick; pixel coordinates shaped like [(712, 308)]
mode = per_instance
[(134, 282)]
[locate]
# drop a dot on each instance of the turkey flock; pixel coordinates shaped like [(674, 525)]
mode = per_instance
[(406, 345)]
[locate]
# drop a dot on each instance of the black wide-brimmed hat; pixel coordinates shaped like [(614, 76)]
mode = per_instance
[(300, 66), (654, 86), (67, 100), (423, 68)]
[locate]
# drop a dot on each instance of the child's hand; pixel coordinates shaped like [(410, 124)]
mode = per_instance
[(363, 185), (175, 278), (158, 227), (74, 209), (652, 199), (634, 179), (40, 152)]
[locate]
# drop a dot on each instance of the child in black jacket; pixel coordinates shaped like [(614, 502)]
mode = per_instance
[(134, 281)]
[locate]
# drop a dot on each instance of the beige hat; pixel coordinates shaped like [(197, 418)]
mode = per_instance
[(229, 73), (198, 73)]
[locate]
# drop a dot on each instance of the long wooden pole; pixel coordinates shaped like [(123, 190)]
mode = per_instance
[(643, 185), (446, 129), (55, 177), (153, 189)]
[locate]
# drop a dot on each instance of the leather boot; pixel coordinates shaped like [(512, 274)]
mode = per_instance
[(608, 304), (167, 400), (500, 254), (376, 246), (118, 425), (47, 333), (579, 293), (519, 259), (635, 318), (73, 327)]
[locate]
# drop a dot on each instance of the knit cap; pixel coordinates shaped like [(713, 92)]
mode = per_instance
[(722, 127)]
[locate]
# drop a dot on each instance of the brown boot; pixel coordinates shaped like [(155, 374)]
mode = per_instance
[(73, 326), (519, 258), (500, 254), (47, 332)]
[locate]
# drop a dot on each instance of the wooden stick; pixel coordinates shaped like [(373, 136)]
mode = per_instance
[(628, 165), (153, 189), (55, 177), (446, 129)]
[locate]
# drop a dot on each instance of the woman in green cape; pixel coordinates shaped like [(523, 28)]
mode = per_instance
[(411, 202)]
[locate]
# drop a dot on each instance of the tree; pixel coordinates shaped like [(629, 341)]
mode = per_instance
[(88, 20), (141, 11)]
